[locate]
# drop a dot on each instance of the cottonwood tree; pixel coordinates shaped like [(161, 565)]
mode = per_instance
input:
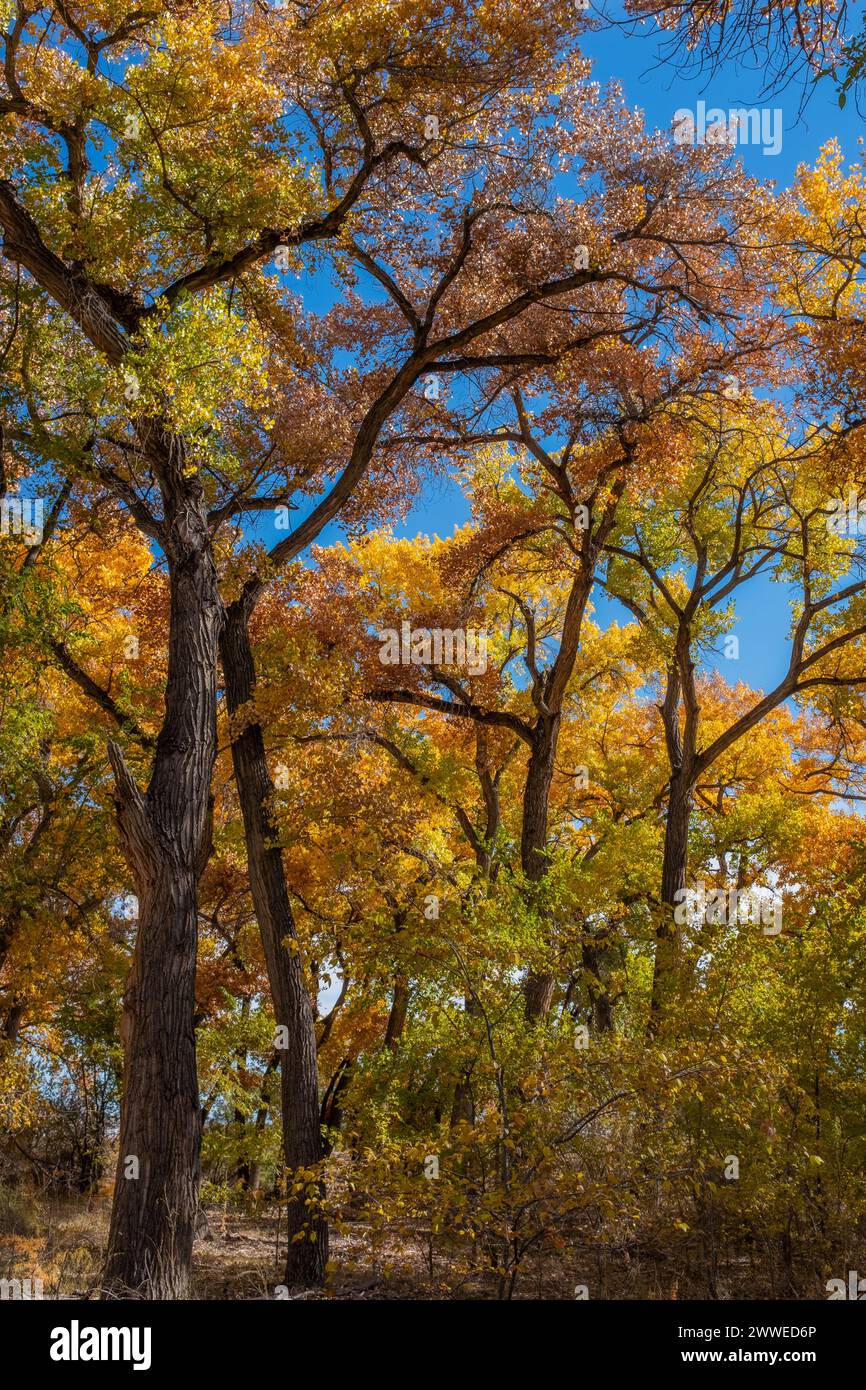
[(746, 509), (131, 203), (446, 313), (439, 317), (612, 409), (141, 209)]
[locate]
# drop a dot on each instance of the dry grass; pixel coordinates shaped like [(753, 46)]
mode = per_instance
[(240, 1256)]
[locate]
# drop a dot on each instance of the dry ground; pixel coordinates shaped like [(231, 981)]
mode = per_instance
[(240, 1256)]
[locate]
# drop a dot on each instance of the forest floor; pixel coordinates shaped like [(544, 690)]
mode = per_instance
[(240, 1256), (237, 1256)]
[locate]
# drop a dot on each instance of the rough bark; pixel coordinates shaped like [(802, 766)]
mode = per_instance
[(299, 1085), (165, 833), (166, 839)]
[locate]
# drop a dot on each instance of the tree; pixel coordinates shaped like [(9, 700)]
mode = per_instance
[(202, 199), (617, 403), (747, 508), (784, 39)]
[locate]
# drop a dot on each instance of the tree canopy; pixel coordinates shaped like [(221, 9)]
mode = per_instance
[(452, 888)]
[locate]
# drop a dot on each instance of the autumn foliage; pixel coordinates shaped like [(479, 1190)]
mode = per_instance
[(447, 901)]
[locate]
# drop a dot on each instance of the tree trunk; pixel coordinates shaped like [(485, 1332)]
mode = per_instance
[(299, 1082), (241, 1177), (596, 970), (463, 1105), (397, 1016), (674, 866), (11, 1026), (166, 839), (539, 986), (331, 1113)]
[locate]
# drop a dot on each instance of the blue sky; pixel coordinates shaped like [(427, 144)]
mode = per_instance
[(762, 615), (659, 91), (632, 58)]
